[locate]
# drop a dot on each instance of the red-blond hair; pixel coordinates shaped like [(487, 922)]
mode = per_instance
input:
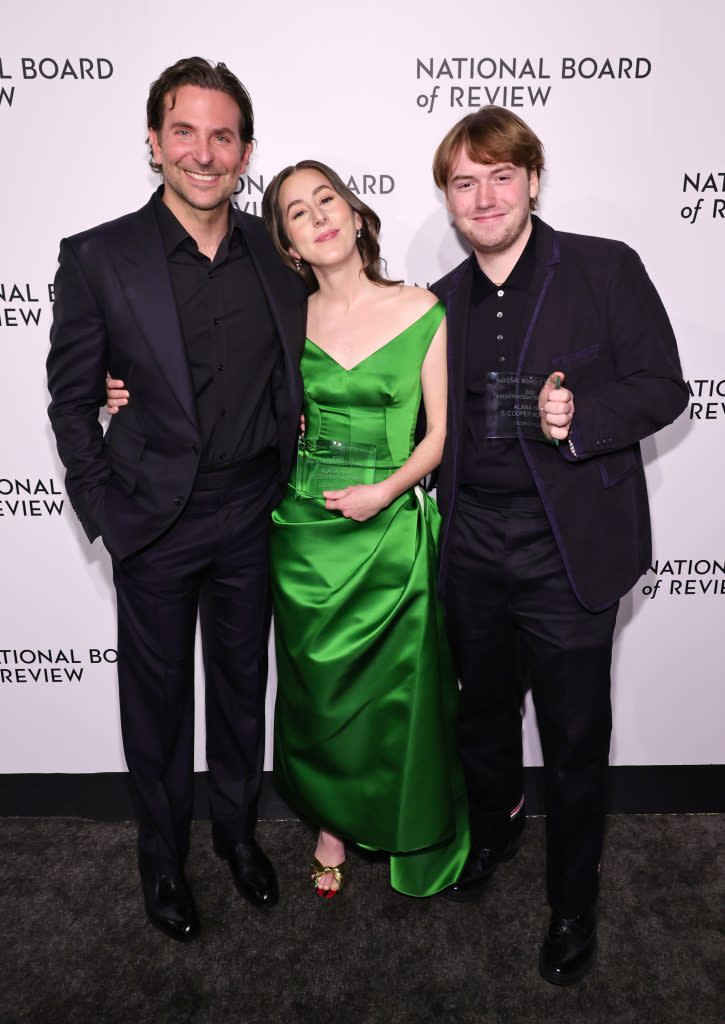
[(491, 135)]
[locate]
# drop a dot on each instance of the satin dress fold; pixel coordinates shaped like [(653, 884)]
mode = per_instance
[(366, 695)]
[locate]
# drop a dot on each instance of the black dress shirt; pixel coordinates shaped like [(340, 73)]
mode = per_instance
[(496, 327), (231, 342)]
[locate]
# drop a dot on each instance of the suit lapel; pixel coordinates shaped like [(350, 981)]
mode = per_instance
[(458, 308), (145, 279), (547, 260), (285, 298)]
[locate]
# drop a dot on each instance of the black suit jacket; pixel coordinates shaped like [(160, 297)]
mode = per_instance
[(594, 314), (114, 310)]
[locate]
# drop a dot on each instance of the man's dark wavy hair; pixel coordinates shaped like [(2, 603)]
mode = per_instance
[(197, 71)]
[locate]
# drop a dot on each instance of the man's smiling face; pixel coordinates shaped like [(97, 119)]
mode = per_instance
[(490, 203), (200, 148)]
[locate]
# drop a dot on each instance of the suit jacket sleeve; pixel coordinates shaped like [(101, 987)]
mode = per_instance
[(647, 390), (76, 367)]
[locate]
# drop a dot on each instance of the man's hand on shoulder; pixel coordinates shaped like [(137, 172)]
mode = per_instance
[(116, 395)]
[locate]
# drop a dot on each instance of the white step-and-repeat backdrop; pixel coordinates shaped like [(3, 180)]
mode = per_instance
[(627, 98)]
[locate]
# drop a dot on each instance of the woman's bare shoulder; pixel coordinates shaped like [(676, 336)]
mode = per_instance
[(417, 300)]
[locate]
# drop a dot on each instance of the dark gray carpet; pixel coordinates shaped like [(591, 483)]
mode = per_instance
[(76, 946)]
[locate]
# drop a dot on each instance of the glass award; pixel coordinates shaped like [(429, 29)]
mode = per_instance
[(512, 405), (328, 465)]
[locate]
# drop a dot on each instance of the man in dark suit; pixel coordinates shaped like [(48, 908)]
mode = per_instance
[(186, 301), (541, 539)]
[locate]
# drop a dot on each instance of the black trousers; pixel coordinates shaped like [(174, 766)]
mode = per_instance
[(514, 621), (212, 563)]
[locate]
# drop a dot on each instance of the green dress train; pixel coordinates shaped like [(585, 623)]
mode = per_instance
[(366, 700)]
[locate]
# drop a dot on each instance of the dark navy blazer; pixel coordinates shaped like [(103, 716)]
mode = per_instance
[(594, 314), (114, 310)]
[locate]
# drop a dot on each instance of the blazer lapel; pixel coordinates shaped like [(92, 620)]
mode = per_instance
[(286, 299), (145, 279), (547, 260), (458, 307)]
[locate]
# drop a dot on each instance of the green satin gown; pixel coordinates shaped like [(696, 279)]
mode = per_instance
[(366, 700)]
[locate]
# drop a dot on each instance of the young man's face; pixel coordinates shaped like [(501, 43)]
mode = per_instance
[(489, 203), (200, 148)]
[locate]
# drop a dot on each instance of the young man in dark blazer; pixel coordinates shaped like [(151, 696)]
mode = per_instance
[(186, 302), (541, 539)]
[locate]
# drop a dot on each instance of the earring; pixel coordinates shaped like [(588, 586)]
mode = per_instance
[(298, 264), (359, 232)]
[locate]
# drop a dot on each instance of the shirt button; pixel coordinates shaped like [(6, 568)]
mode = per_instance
[(220, 368), (222, 455), (178, 500), (217, 321), (499, 337), (500, 292), (499, 314), (222, 412), (502, 359)]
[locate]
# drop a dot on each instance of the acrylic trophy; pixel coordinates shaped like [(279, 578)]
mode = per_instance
[(512, 405), (328, 465)]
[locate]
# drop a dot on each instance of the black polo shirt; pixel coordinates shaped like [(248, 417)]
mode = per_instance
[(230, 339), (496, 331)]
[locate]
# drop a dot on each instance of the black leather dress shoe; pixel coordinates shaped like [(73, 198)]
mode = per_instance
[(479, 866), (169, 905), (569, 947), (253, 873)]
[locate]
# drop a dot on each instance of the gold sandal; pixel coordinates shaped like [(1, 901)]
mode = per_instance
[(338, 872)]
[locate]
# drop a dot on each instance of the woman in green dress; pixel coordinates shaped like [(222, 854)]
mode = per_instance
[(366, 697)]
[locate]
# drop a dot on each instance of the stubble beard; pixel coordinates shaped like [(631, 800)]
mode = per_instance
[(505, 241), (176, 183)]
